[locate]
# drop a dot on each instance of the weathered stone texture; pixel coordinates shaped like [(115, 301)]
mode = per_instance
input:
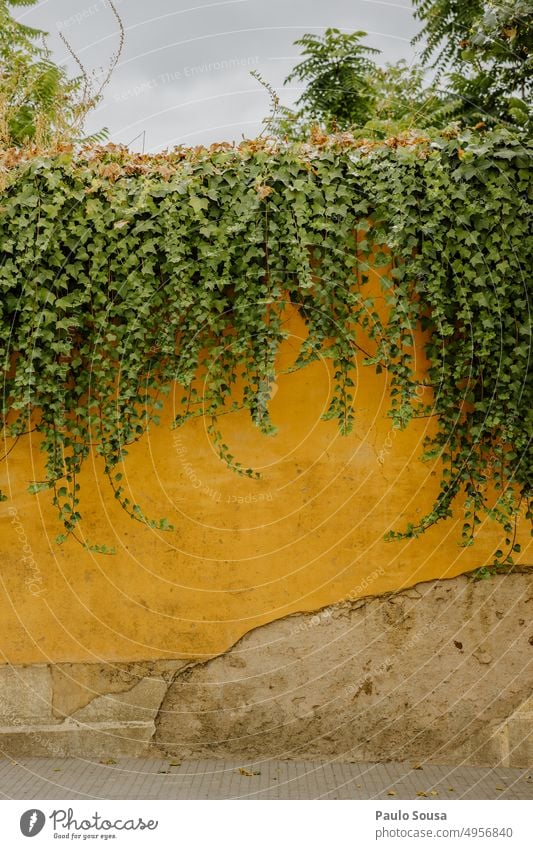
[(441, 672), (81, 710)]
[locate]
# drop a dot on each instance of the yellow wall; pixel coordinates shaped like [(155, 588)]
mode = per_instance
[(310, 533)]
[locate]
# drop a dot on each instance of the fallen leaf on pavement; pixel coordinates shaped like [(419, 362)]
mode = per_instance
[(244, 771)]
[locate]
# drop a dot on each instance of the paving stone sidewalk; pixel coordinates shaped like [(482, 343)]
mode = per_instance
[(151, 778)]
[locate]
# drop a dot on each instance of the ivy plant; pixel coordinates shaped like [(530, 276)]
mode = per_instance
[(123, 274)]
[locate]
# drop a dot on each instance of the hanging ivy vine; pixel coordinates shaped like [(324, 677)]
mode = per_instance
[(122, 273)]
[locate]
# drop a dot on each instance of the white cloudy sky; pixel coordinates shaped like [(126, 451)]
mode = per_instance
[(184, 75)]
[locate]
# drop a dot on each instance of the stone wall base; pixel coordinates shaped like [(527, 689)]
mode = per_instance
[(441, 672)]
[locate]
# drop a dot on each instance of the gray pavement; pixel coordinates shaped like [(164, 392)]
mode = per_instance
[(152, 778)]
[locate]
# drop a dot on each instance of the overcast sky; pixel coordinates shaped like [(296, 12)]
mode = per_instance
[(183, 76)]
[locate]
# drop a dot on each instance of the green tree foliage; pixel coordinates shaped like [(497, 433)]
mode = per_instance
[(347, 90), (120, 274), (39, 104), (401, 100), (485, 47), (481, 51), (336, 71), (445, 25), (37, 100)]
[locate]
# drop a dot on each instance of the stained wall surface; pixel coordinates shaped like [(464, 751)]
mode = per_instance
[(439, 673)]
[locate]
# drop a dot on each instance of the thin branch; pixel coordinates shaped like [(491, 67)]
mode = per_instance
[(274, 100)]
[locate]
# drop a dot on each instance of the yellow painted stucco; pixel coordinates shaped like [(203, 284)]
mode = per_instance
[(243, 552)]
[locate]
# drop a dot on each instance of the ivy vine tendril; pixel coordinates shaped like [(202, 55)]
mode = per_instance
[(122, 274)]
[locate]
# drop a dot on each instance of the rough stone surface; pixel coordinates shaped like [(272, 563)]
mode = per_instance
[(440, 673), (77, 684), (81, 710), (516, 736), (25, 694), (102, 740)]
